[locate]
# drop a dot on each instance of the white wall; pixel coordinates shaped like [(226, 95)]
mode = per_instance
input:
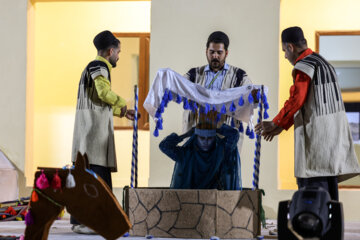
[(13, 79), (179, 31)]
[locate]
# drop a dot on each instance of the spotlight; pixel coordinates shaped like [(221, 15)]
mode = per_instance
[(310, 214)]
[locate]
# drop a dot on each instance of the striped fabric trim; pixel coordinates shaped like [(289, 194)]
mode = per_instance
[(326, 91), (87, 92), (98, 71)]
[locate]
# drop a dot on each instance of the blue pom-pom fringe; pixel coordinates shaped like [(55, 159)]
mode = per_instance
[(247, 131), (241, 101), (241, 127), (170, 96), (218, 117), (186, 104), (250, 98), (207, 108), (156, 132), (252, 135), (159, 124), (178, 99), (232, 107), (223, 109)]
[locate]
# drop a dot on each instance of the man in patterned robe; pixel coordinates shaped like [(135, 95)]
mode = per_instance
[(96, 105), (324, 150)]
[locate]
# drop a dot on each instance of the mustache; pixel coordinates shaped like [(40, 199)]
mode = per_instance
[(215, 60)]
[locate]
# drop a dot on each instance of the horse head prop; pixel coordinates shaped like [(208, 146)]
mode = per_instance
[(88, 199)]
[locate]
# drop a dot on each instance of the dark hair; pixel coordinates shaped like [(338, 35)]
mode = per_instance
[(218, 37)]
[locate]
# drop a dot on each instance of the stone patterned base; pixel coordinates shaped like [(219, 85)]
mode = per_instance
[(170, 213)]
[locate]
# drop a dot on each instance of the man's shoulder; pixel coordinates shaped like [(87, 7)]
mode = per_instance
[(96, 68), (191, 74), (96, 64), (236, 70)]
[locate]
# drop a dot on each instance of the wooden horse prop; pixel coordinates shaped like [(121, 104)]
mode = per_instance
[(84, 194)]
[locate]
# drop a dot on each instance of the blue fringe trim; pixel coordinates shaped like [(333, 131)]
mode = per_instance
[(223, 109), (156, 132), (241, 127), (232, 107), (250, 98), (178, 98), (241, 101), (186, 104)]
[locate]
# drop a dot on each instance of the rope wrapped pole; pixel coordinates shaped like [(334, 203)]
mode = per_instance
[(134, 162), (258, 143)]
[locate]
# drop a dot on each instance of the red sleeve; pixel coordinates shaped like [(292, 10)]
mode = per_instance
[(298, 93)]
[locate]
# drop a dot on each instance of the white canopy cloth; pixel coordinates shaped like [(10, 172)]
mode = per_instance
[(167, 79)]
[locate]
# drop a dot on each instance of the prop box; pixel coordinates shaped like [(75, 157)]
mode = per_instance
[(170, 213)]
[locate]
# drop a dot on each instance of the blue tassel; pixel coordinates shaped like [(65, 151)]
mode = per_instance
[(252, 135), (159, 124), (214, 108), (156, 132), (158, 113), (170, 96), (232, 122), (266, 115), (195, 106), (186, 104), (258, 96), (247, 131), (207, 108), (250, 98), (178, 99), (165, 96), (232, 107), (241, 101), (162, 106), (223, 109), (241, 127), (218, 117), (202, 109)]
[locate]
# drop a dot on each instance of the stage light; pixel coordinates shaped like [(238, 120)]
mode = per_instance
[(310, 214)]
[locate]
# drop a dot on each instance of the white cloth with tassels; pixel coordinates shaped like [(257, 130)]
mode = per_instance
[(167, 79)]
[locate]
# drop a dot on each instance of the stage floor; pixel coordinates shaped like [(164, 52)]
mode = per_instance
[(61, 230)]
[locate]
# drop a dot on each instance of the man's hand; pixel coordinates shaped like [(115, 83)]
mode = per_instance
[(268, 130), (130, 114), (123, 111)]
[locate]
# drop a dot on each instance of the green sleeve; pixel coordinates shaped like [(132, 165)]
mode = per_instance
[(105, 94)]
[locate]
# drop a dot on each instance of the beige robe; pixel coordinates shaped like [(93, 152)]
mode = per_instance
[(323, 142), (94, 127)]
